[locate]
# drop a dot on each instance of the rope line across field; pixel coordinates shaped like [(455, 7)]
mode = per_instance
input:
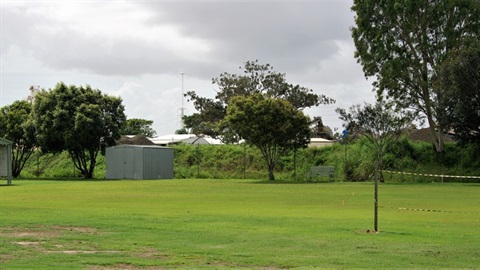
[(433, 175)]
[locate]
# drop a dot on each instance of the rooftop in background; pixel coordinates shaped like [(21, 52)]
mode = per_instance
[(424, 135), (320, 142), (134, 140), (183, 138)]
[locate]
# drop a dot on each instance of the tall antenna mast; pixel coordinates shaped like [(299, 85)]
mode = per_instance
[(182, 109)]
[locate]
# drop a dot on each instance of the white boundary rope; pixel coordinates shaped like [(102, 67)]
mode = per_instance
[(434, 175)]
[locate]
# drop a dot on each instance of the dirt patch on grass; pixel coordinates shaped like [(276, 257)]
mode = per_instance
[(27, 243), (84, 251), (87, 230), (44, 231), (150, 253), (45, 239), (28, 233), (122, 266)]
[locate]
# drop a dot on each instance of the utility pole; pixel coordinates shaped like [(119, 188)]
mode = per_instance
[(182, 109)]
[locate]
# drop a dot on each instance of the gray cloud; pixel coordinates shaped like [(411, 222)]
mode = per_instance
[(293, 35), (309, 41)]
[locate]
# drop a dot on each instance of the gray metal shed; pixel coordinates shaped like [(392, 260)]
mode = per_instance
[(6, 159), (139, 162)]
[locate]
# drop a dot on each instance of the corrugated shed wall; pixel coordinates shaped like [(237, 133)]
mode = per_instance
[(139, 162), (3, 160)]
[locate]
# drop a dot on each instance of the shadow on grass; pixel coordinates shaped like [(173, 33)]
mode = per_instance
[(79, 179), (11, 185), (282, 182), (372, 232)]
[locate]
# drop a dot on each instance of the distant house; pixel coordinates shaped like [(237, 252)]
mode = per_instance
[(424, 135), (6, 159), (183, 138), (134, 140)]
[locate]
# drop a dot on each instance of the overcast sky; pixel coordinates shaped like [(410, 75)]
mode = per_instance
[(137, 50)]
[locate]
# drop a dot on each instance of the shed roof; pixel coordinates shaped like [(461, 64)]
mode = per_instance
[(5, 141), (139, 146)]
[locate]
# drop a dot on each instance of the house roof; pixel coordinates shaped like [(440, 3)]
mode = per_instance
[(425, 135), (134, 140), (321, 140), (185, 138)]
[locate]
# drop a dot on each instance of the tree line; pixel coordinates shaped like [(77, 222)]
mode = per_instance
[(424, 57), (80, 120)]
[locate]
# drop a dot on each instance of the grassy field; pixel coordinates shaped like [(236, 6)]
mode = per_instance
[(216, 224)]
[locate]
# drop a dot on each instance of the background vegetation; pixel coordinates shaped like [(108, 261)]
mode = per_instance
[(229, 161)]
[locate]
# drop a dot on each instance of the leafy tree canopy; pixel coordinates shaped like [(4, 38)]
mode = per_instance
[(459, 82), (15, 125), (80, 120), (256, 79), (403, 43), (181, 131), (380, 123), (274, 126), (136, 126)]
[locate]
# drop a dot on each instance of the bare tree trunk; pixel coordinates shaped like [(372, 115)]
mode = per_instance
[(436, 134), (271, 169)]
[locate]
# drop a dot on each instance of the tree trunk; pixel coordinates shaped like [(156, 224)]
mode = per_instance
[(88, 175), (436, 134), (271, 169), (375, 195), (80, 161), (380, 167), (20, 157), (375, 204)]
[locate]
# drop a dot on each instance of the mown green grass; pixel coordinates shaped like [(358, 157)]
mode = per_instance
[(217, 224)]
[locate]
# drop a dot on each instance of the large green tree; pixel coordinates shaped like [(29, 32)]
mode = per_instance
[(274, 126), (256, 79), (402, 43), (460, 83), (137, 126), (15, 125), (80, 120)]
